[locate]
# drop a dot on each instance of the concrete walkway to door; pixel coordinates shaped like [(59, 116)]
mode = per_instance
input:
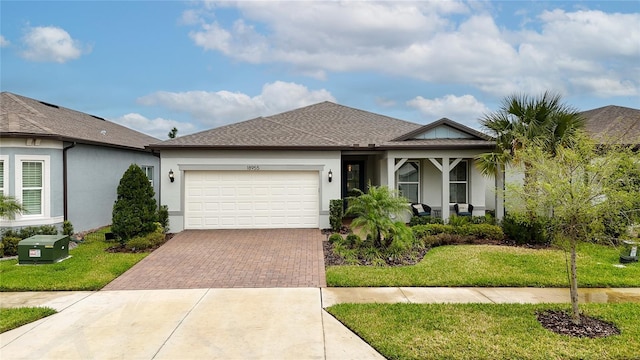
[(198, 259)]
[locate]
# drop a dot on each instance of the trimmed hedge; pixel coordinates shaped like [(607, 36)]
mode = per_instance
[(477, 231)]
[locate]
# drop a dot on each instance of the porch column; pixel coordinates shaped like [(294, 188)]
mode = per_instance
[(445, 189), (499, 193), (391, 173)]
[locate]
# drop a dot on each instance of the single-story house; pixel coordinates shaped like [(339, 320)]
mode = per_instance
[(283, 170), (62, 164)]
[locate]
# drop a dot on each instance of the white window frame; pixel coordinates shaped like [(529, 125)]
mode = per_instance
[(398, 182), (5, 174), (45, 196), (146, 169), (464, 163)]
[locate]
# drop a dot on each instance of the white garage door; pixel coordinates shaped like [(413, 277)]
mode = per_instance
[(251, 199)]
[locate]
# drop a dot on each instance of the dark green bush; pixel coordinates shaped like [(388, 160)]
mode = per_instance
[(335, 238), (143, 242), (524, 229), (423, 220), (10, 245), (67, 228), (352, 241), (163, 217), (484, 231), (135, 211), (443, 239), (336, 213), (421, 231), (455, 220), (1, 249), (30, 231)]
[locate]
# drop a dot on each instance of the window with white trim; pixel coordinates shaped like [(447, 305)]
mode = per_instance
[(32, 187), (4, 170), (409, 180), (148, 170), (458, 183)]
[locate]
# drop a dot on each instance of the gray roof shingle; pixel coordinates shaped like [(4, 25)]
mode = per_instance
[(21, 116), (323, 125), (613, 124)]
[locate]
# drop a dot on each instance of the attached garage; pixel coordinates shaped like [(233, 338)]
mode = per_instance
[(227, 199)]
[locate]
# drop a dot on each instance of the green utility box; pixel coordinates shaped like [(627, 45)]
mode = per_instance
[(43, 249)]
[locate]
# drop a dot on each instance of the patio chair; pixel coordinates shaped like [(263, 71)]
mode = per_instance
[(463, 209), (421, 209)]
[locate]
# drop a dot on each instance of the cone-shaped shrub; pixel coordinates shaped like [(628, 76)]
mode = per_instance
[(135, 210)]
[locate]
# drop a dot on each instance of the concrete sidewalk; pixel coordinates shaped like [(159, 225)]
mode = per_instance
[(275, 323)]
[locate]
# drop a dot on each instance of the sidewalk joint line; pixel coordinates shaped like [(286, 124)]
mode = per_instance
[(405, 296)]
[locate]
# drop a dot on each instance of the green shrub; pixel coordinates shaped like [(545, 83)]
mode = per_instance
[(443, 239), (67, 228), (420, 231), (352, 241), (163, 217), (10, 245), (1, 249), (147, 241), (135, 211), (484, 231), (486, 219), (30, 231), (423, 220), (524, 229), (455, 220), (336, 213), (335, 239)]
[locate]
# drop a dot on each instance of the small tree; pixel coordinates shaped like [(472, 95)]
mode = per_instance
[(9, 207), (575, 186), (373, 212), (172, 134), (135, 211)]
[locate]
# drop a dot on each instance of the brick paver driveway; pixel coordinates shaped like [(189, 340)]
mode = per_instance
[(231, 258)]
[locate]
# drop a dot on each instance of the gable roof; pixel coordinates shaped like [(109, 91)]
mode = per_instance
[(21, 116), (613, 124), (325, 125), (444, 122)]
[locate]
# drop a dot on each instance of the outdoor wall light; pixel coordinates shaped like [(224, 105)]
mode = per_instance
[(171, 178), (330, 175)]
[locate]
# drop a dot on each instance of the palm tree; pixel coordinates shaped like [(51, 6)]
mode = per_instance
[(523, 119), (373, 211), (9, 207)]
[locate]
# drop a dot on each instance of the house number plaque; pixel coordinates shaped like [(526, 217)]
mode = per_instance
[(253, 167)]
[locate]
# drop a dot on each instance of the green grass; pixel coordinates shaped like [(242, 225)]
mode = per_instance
[(486, 331), (489, 265), (89, 268), (15, 317)]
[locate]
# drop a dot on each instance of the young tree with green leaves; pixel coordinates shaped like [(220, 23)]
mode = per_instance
[(135, 211), (575, 185), (373, 212)]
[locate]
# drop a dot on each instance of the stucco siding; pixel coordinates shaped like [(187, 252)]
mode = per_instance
[(182, 160), (94, 174)]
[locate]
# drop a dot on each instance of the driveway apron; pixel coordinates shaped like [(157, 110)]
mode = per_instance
[(248, 258)]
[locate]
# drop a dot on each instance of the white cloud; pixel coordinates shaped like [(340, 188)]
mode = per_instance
[(50, 43), (464, 109), (158, 127), (4, 42), (224, 107), (436, 41)]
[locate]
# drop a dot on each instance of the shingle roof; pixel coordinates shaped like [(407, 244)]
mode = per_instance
[(22, 116), (613, 124), (323, 125)]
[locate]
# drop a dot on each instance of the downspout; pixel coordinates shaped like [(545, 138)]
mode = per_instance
[(64, 179)]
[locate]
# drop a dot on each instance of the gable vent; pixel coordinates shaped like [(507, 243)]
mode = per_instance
[(50, 105)]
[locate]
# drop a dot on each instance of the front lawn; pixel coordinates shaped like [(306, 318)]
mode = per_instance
[(15, 317), (491, 265), (486, 331), (89, 268)]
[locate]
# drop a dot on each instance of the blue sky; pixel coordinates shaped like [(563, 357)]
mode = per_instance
[(153, 65)]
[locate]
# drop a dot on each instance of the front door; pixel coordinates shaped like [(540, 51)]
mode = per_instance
[(353, 178)]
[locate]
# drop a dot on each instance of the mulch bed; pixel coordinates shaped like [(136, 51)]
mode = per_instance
[(560, 322)]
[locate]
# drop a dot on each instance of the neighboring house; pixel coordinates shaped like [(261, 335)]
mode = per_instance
[(282, 170), (65, 165)]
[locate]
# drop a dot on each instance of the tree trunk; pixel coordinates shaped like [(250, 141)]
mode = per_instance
[(575, 316)]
